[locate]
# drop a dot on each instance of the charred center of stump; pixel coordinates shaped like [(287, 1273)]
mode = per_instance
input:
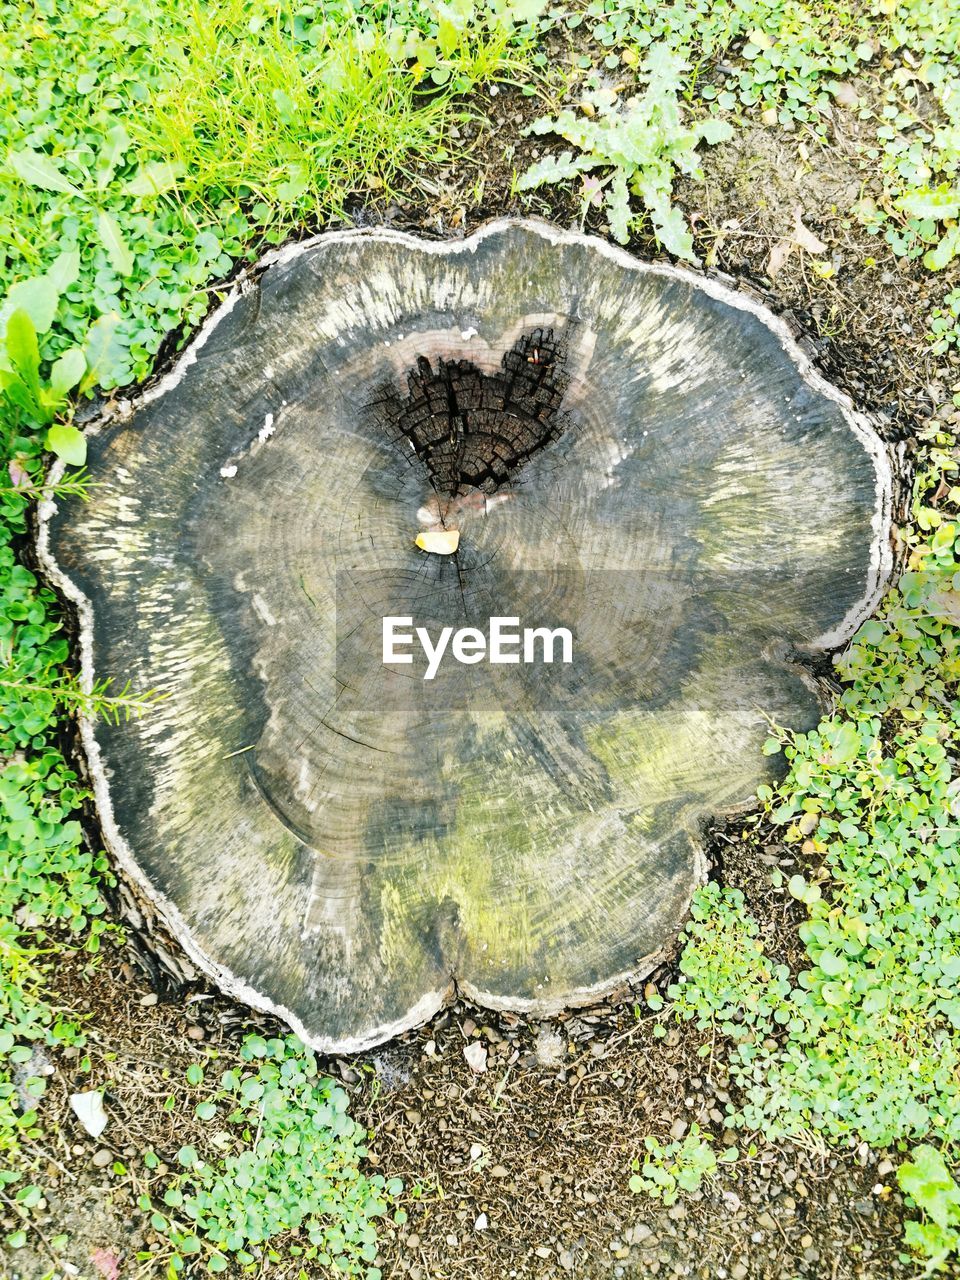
[(473, 430)]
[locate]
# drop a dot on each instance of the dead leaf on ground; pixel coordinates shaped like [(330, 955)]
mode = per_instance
[(946, 604), (800, 237), (760, 38), (845, 95)]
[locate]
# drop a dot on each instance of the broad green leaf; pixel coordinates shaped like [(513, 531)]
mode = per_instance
[(843, 742), (618, 208), (116, 144), (448, 32), (296, 184), (98, 350), (832, 964), (40, 295), (153, 178), (67, 372), (672, 230), (713, 131), (37, 298), (871, 632), (927, 1179), (875, 1000), (576, 129), (798, 888), (37, 170), (942, 204), (21, 343), (121, 259), (944, 537), (834, 994), (944, 253), (67, 443), (517, 11), (63, 271), (12, 385), (285, 105), (552, 169)]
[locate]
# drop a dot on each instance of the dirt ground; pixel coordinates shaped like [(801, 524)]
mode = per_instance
[(522, 1170)]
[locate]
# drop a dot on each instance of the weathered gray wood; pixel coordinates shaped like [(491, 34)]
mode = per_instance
[(662, 473)]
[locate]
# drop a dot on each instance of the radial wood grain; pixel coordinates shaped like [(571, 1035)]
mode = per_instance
[(629, 451)]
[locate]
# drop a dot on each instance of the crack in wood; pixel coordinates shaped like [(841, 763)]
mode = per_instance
[(473, 430)]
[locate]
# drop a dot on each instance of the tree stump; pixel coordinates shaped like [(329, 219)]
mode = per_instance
[(526, 425)]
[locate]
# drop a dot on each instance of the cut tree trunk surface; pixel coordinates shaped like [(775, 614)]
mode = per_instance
[(629, 452)]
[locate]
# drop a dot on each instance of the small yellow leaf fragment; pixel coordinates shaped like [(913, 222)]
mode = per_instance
[(441, 542)]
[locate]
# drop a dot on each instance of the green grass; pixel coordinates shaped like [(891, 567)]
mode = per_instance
[(289, 123), (165, 141)]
